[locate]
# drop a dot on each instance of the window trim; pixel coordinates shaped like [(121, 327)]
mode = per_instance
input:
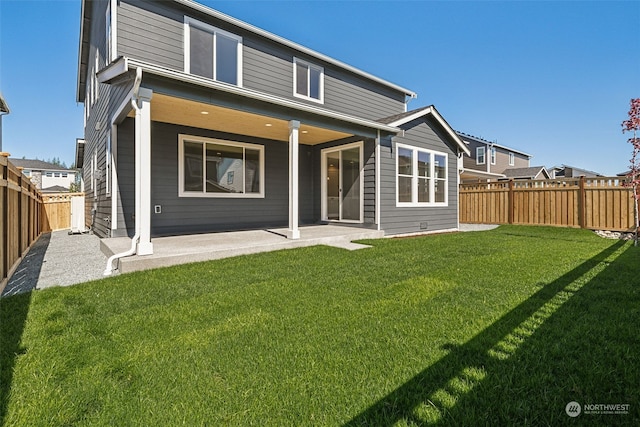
[(414, 178), (484, 155), (493, 154), (512, 159), (309, 66), (188, 22), (182, 138), (110, 32)]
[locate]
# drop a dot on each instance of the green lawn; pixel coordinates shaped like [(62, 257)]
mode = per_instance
[(493, 328)]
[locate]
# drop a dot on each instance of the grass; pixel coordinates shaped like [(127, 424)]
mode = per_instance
[(498, 328)]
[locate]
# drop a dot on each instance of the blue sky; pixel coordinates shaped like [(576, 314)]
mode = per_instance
[(550, 78)]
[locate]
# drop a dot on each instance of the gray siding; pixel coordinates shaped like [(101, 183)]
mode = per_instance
[(97, 203), (192, 215), (153, 32), (399, 220)]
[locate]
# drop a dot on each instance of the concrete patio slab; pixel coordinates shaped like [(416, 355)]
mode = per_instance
[(174, 250)]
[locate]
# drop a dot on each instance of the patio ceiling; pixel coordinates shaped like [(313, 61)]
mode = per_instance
[(167, 109)]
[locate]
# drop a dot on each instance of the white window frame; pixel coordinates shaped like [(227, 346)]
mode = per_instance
[(107, 163), (188, 22), (110, 32), (414, 178), (309, 66), (482, 150), (512, 159), (182, 138), (493, 155)]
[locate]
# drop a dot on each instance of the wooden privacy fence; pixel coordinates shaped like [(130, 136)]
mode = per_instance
[(602, 203), (57, 211), (20, 217)]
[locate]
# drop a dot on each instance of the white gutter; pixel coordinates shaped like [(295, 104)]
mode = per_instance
[(136, 237)]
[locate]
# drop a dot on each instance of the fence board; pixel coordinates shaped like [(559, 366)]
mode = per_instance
[(602, 203), (20, 226)]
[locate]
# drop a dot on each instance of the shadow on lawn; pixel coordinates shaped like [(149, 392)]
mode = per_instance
[(573, 340), (14, 308)]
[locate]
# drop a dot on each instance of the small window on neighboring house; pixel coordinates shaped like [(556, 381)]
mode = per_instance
[(512, 159), (480, 154), (493, 155), (49, 174), (27, 172), (65, 175), (212, 53), (56, 174), (308, 81)]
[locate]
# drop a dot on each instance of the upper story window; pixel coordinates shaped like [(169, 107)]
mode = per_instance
[(308, 80), (480, 155), (212, 53), (512, 159), (421, 177), (493, 155)]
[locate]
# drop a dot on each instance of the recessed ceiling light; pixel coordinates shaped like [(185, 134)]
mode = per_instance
[(204, 112), (268, 125), (305, 131)]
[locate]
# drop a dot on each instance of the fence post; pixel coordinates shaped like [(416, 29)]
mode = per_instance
[(582, 201), (4, 203), (510, 202)]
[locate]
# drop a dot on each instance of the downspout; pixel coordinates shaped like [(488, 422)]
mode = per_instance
[(136, 237)]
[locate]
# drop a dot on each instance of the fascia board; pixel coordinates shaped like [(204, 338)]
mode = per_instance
[(200, 81), (433, 112), (238, 23)]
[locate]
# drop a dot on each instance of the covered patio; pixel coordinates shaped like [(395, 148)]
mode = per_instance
[(174, 250)]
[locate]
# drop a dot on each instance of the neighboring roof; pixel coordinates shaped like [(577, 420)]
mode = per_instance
[(36, 165), (525, 173), (495, 144), (55, 189), (83, 54), (400, 119), (466, 172), (575, 169), (4, 108)]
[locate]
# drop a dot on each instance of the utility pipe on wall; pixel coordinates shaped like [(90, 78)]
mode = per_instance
[(136, 237)]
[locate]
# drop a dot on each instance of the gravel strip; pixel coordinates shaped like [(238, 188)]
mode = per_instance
[(58, 259)]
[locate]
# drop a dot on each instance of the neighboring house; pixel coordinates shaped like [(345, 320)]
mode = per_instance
[(533, 172), (4, 109), (564, 171), (47, 177), (488, 160), (198, 122)]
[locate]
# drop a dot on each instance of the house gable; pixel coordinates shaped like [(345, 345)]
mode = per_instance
[(424, 134)]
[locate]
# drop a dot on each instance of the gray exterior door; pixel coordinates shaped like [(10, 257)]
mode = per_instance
[(342, 183)]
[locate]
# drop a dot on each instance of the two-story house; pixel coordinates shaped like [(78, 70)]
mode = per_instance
[(197, 122), (490, 161), (47, 177)]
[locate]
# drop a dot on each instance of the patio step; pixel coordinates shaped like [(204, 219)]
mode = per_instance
[(177, 250)]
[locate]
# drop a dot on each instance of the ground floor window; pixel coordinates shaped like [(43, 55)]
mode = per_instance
[(218, 168), (421, 177)]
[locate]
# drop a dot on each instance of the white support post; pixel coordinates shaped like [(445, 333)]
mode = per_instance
[(143, 124), (293, 232)]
